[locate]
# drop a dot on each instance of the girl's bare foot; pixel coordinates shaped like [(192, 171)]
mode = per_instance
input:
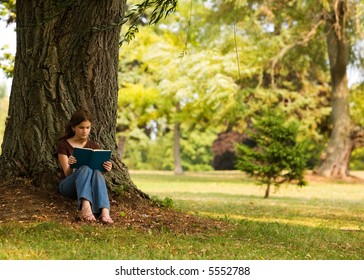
[(86, 212), (105, 217), (88, 217)]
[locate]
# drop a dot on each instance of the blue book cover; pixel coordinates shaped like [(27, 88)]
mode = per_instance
[(92, 158)]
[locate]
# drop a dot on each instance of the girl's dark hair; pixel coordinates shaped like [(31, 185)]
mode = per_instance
[(78, 117)]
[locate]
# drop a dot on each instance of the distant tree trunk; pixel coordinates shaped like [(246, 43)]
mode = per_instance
[(178, 170), (267, 191), (67, 57), (177, 149), (337, 155), (121, 145)]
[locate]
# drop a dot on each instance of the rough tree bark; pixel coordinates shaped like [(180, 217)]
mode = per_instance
[(344, 137), (67, 57)]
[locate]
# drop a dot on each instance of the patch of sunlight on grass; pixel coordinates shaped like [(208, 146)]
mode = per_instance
[(322, 203), (302, 221), (238, 184)]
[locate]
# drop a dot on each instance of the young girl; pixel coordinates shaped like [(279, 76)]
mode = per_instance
[(84, 184)]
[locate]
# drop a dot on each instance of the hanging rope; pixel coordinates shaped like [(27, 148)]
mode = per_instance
[(235, 41), (188, 33)]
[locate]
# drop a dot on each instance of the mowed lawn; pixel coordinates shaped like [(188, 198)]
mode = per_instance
[(322, 221), (231, 195)]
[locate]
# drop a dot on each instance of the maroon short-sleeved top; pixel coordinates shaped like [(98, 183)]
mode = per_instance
[(65, 148)]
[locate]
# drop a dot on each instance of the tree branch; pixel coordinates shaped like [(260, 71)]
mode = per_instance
[(310, 34), (161, 9)]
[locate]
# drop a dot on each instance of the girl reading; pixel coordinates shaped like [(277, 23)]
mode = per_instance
[(84, 184)]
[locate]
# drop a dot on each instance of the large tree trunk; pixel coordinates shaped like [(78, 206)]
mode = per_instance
[(67, 57), (336, 158)]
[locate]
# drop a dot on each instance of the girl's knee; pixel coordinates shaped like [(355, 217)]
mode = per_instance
[(98, 172), (84, 169)]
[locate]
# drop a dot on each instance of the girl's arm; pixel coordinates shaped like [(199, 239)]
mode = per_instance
[(65, 162)]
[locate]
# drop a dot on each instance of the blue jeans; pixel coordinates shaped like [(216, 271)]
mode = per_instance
[(88, 184)]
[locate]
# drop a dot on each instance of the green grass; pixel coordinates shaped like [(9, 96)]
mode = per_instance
[(320, 221), (328, 205)]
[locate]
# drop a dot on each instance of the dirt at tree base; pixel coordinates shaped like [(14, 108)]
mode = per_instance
[(21, 202)]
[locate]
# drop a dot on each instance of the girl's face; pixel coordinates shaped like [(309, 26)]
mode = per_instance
[(82, 130)]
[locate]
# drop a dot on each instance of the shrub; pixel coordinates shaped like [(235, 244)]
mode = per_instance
[(277, 157)]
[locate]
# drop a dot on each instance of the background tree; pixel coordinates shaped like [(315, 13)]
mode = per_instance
[(6, 61), (277, 55), (357, 113), (7, 13), (298, 32), (8, 10), (218, 98), (277, 156), (345, 137), (185, 85)]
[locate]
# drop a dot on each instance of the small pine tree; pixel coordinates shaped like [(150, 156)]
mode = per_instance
[(277, 157)]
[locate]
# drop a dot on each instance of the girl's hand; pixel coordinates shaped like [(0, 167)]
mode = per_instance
[(72, 160), (107, 165)]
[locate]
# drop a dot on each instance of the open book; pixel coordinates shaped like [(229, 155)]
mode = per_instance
[(92, 158)]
